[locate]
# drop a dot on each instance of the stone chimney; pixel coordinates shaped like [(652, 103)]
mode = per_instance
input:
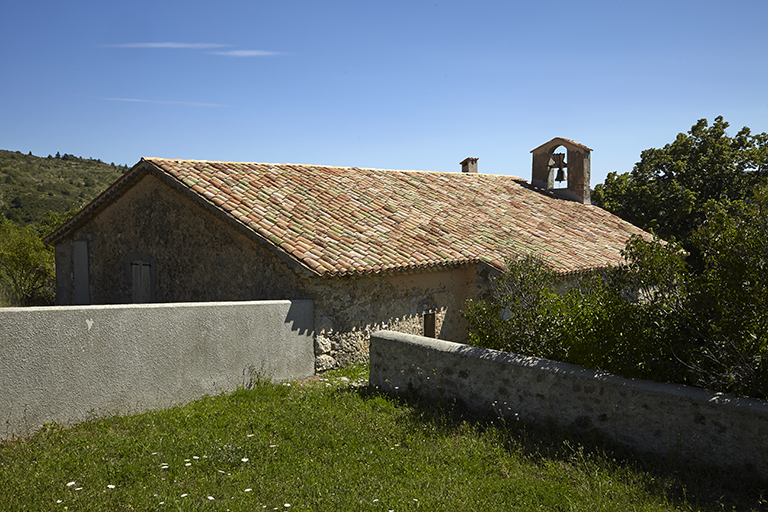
[(469, 165), (576, 168)]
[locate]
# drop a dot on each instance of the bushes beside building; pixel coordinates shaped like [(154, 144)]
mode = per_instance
[(657, 317)]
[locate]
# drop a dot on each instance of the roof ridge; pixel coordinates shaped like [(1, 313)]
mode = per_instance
[(333, 221), (453, 173)]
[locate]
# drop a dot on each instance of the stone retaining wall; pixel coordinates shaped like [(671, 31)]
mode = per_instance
[(693, 424)]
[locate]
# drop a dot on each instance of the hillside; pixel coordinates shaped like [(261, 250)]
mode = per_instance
[(31, 185)]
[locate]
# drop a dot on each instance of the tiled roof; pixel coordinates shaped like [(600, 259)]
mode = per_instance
[(343, 221)]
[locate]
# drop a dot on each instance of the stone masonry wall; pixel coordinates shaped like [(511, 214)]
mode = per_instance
[(197, 255), (347, 310), (689, 423)]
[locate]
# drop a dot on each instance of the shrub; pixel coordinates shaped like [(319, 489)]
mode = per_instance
[(654, 317)]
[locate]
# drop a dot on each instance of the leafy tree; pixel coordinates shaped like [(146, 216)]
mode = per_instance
[(668, 189), (655, 317), (517, 319), (609, 319), (728, 308), (26, 265)]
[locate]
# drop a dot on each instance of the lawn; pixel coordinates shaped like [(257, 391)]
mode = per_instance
[(334, 444)]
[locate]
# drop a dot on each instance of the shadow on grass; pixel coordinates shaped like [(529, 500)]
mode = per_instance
[(683, 483)]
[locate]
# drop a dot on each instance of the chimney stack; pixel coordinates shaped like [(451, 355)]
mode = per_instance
[(469, 165)]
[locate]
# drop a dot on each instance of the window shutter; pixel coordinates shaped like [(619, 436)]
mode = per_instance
[(140, 275)]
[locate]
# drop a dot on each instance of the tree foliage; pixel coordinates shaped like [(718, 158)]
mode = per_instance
[(26, 265), (729, 304), (27, 275), (599, 320), (654, 317), (668, 190)]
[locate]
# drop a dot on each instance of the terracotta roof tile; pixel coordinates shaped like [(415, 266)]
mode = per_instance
[(341, 220)]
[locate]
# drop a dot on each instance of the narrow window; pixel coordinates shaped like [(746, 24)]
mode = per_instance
[(141, 282), (82, 287), (429, 324)]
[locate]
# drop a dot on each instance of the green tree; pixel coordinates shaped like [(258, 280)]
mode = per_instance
[(26, 265), (611, 319), (668, 189), (728, 308), (517, 318), (52, 220), (654, 317)]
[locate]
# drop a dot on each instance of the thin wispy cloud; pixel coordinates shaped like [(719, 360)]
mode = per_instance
[(184, 46), (157, 102), (245, 53), (198, 46)]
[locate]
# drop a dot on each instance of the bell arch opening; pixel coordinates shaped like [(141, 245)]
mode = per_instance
[(562, 167), (558, 167)]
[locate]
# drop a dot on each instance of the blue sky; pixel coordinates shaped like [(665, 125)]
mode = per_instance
[(390, 84)]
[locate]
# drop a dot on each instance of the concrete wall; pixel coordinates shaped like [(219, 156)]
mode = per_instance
[(66, 364), (675, 420)]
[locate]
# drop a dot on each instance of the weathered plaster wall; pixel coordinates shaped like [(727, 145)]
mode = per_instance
[(680, 421), (66, 364)]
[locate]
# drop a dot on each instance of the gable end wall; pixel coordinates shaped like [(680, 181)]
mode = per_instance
[(198, 256)]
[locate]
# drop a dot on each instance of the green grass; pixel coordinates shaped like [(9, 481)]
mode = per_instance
[(334, 444)]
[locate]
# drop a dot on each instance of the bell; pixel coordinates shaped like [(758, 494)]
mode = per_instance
[(558, 160)]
